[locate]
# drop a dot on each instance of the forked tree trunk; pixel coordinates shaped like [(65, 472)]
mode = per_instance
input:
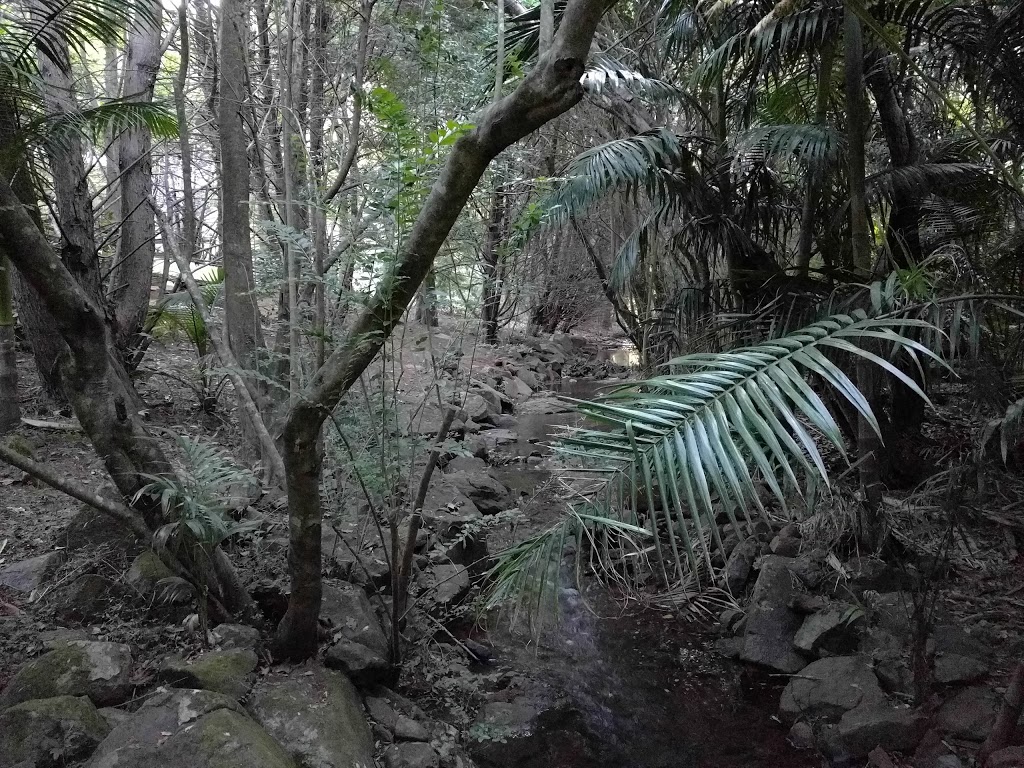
[(551, 88), (132, 275)]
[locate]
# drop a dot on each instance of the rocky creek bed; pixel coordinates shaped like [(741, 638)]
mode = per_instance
[(811, 663)]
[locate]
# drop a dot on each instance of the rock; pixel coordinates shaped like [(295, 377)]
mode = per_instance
[(801, 736), (347, 610), (740, 563), (77, 668), (875, 724), (198, 729), (91, 530), (870, 573), (47, 733), (729, 647), (85, 599), (146, 570), (835, 630), (494, 439), (403, 727), (478, 409), (506, 733), (487, 494), (28, 575), (447, 583), (505, 422), (316, 715), (1010, 757), (529, 378), (809, 568), (890, 658), (969, 714), (787, 542), (54, 638), (807, 604), (496, 401), (729, 618), (443, 494), (113, 716), (466, 464), (892, 611), (771, 625), (364, 666), (954, 668), (516, 389), (414, 755), (236, 636), (226, 672), (830, 687)]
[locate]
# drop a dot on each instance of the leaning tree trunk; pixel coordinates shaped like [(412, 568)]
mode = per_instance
[(132, 275), (550, 89)]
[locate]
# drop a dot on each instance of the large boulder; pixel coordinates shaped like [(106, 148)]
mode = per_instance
[(100, 671), (497, 402), (364, 666), (28, 575), (47, 733), (445, 495), (834, 630), (146, 570), (876, 724), (346, 610), (487, 493), (198, 729), (316, 715), (771, 624), (446, 584), (969, 714), (828, 688), (226, 671)]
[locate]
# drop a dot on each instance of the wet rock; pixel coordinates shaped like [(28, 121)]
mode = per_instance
[(346, 609), (969, 714), (771, 625), (739, 565), (28, 575), (236, 636), (85, 599), (77, 668), (1011, 757), (834, 630), (828, 688), (412, 755), (954, 668), (487, 494), (364, 666), (876, 724), (47, 733), (145, 571), (506, 733), (228, 672), (198, 729), (316, 715), (447, 583)]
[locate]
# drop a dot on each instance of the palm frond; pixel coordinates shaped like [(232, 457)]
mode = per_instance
[(809, 144), (605, 73)]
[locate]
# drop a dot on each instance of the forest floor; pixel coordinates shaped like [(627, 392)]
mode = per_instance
[(639, 685)]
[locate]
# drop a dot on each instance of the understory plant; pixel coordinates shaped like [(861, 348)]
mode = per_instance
[(709, 441)]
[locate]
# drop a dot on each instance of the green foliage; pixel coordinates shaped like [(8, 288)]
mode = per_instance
[(177, 314)]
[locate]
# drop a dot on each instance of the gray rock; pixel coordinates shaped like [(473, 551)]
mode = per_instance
[(198, 729), (786, 543), (466, 464), (969, 714), (146, 570), (47, 733), (85, 599), (446, 496), (729, 647), (827, 688), (315, 714), (1010, 757), (892, 611), (836, 630), (228, 672), (478, 409), (954, 668), (364, 666), (91, 529), (403, 727), (771, 625), (505, 422), (516, 389), (28, 575), (347, 610), (100, 671), (447, 583), (487, 493), (506, 733), (801, 736), (236, 636), (496, 401), (529, 378), (412, 755), (739, 565), (872, 725)]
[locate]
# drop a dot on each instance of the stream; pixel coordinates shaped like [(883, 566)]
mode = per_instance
[(635, 688)]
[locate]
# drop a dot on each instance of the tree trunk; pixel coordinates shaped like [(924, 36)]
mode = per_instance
[(10, 406), (550, 89), (814, 175), (245, 335), (132, 276), (490, 298)]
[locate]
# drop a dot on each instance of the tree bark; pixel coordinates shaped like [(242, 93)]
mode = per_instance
[(132, 275), (490, 304), (814, 175), (10, 405), (550, 89)]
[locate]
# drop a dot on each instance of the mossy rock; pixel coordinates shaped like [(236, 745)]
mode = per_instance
[(99, 671), (226, 672), (47, 733), (146, 570)]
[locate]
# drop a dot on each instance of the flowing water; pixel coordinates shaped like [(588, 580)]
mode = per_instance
[(635, 688)]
